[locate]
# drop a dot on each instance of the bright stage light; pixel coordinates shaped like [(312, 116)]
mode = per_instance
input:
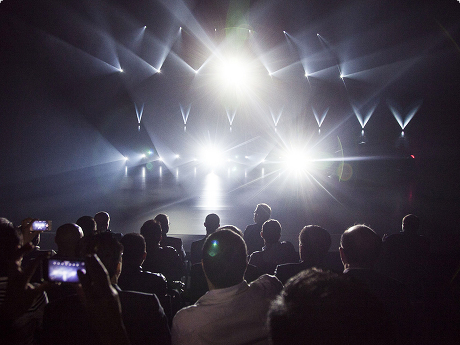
[(296, 160), (121, 70), (143, 155), (235, 72), (212, 156), (125, 158)]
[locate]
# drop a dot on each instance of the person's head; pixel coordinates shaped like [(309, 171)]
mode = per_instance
[(109, 250), (314, 243), (151, 230), (224, 259), (164, 222), (67, 239), (88, 225), (102, 221), (262, 213), (320, 307), (211, 223), (271, 231), (134, 252), (410, 224), (10, 240), (360, 247)]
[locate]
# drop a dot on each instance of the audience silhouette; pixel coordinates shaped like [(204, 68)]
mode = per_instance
[(252, 236), (211, 223), (232, 312), (314, 243), (274, 252), (164, 260), (66, 321), (170, 241), (321, 307), (134, 301), (359, 250)]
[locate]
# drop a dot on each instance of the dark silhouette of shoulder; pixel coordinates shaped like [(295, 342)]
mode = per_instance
[(196, 251)]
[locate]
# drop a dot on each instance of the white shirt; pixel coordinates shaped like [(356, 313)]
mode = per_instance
[(234, 315)]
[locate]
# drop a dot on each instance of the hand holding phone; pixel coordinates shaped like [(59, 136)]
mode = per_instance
[(41, 225), (62, 270)]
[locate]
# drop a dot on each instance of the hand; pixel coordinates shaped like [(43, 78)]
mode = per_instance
[(20, 294), (26, 228), (102, 302)]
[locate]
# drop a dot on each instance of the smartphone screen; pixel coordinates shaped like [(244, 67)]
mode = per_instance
[(41, 225), (64, 271)]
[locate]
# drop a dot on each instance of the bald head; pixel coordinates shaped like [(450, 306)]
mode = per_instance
[(360, 246), (67, 239)]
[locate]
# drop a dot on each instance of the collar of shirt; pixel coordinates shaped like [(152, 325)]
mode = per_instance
[(222, 295)]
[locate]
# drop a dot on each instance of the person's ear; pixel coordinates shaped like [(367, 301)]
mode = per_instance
[(343, 257)]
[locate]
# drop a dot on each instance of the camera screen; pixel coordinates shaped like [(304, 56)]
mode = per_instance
[(40, 225), (64, 270)]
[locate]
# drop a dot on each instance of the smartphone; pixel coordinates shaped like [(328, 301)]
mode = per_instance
[(41, 225), (63, 271)]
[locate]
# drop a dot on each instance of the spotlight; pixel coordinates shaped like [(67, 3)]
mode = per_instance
[(121, 70), (412, 156), (341, 76), (176, 156), (145, 27), (296, 160), (143, 155), (125, 158)]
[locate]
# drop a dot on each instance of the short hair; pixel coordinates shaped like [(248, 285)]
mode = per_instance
[(233, 228), (68, 236), (102, 219), (107, 248), (322, 307), (212, 221), (361, 245), (88, 225), (133, 247), (151, 230), (264, 210), (10, 239), (315, 242), (411, 223), (164, 222), (271, 231), (224, 258)]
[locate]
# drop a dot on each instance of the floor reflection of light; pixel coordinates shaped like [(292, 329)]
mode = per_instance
[(177, 173), (160, 171), (194, 172), (126, 171), (143, 178), (212, 192), (263, 172)]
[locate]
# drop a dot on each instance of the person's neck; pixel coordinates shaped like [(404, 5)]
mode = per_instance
[(271, 245)]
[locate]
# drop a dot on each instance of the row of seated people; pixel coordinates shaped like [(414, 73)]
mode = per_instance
[(314, 306)]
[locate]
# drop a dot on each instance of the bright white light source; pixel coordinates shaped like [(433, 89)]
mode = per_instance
[(143, 155), (212, 156), (296, 159), (235, 72)]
